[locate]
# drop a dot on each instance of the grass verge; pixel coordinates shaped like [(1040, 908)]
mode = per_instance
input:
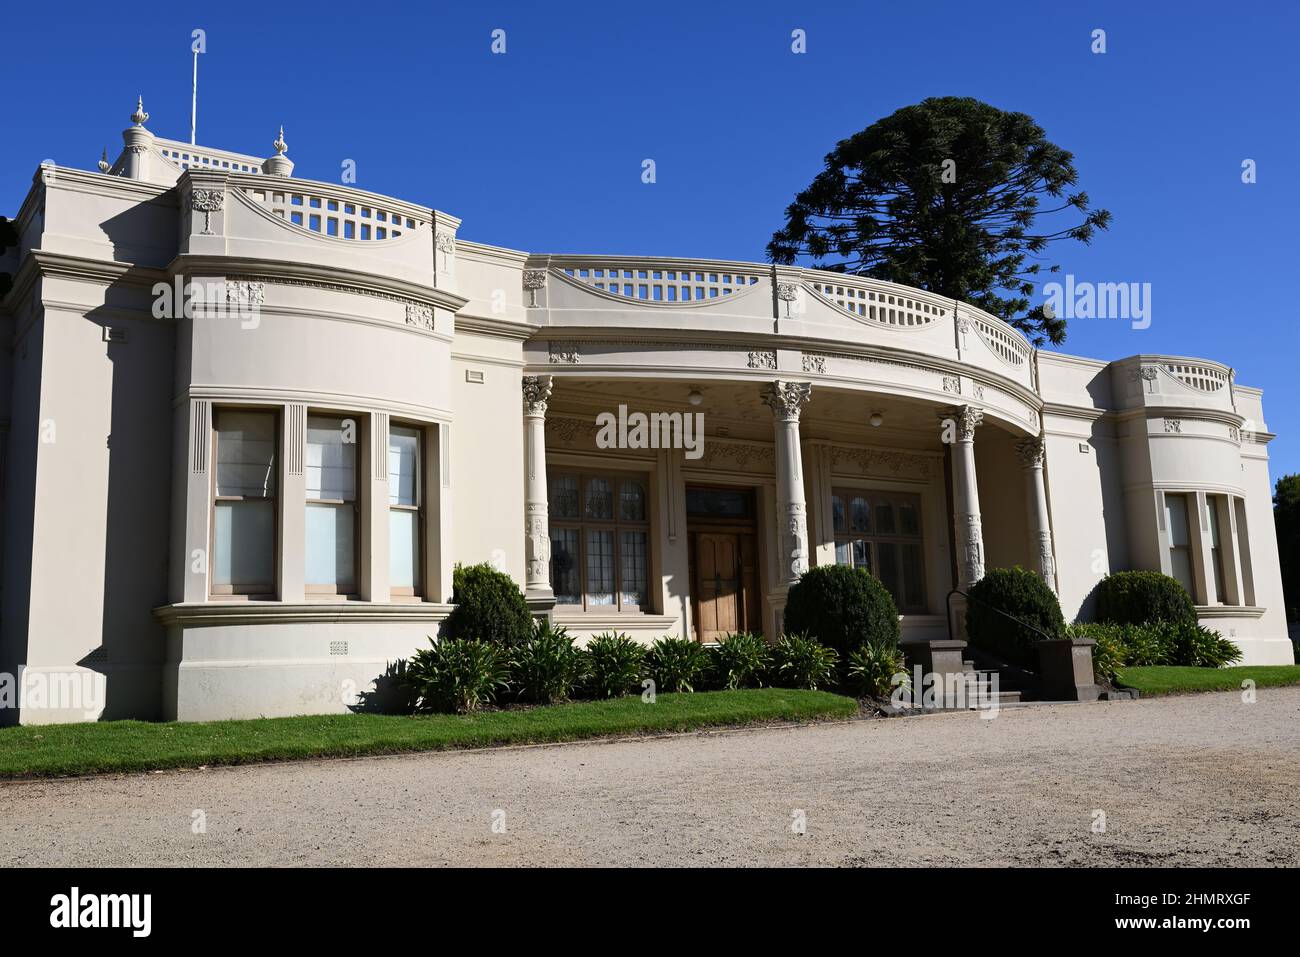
[(68, 749), (1170, 679)]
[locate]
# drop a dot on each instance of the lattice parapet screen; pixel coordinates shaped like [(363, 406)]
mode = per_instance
[(886, 308), (195, 158), (663, 285), (1202, 378), (1009, 347), (336, 216)]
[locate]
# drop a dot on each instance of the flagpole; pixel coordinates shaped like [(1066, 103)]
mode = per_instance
[(194, 100)]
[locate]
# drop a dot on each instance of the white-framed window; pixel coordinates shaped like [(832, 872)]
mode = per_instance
[(600, 540), (330, 554), (244, 502), (405, 509), (881, 532), (1215, 517), (1178, 526)]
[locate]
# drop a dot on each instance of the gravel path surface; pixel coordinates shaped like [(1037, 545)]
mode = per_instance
[(1204, 779)]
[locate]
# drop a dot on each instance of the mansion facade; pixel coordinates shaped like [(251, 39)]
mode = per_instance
[(250, 423)]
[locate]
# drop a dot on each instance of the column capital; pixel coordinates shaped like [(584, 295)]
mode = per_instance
[(786, 399), (1031, 452), (537, 391), (967, 418)]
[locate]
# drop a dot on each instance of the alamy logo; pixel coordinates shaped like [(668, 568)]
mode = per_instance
[(657, 430), (1099, 300), (84, 691), (75, 909)]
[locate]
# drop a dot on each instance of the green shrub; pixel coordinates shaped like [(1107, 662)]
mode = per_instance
[(800, 661), (1157, 643), (676, 664), (1135, 598), (489, 607), (871, 669), (842, 607), (546, 667), (456, 674), (740, 661), (1022, 595), (1111, 648), (1201, 647), (614, 665)]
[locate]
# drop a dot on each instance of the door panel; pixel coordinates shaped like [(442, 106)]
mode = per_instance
[(717, 585)]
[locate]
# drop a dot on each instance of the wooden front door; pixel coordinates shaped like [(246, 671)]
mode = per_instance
[(724, 583), (717, 583)]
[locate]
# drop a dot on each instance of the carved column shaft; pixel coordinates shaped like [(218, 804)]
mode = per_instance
[(966, 496), (1040, 527), (537, 532), (786, 400)]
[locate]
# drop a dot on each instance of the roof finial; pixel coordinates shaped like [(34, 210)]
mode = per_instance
[(139, 117), (104, 164), (280, 145)]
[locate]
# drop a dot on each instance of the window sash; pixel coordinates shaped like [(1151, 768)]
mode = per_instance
[(245, 514), (600, 563), (869, 531), (405, 510)]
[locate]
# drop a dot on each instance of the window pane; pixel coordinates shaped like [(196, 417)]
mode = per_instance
[(860, 514), (913, 577), (403, 547), (1212, 512), (889, 571), (837, 513), (403, 465), (329, 558), (842, 554), (600, 498), (244, 544), (909, 518), (633, 568), (600, 567), (632, 502), (565, 578), (731, 503), (331, 462), (884, 518), (1181, 560), (862, 554), (246, 454), (563, 497), (1176, 519)]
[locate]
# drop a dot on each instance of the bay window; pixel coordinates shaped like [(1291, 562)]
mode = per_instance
[(244, 503), (331, 474), (405, 505), (881, 532), (600, 530)]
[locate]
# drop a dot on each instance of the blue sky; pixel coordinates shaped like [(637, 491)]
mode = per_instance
[(541, 148)]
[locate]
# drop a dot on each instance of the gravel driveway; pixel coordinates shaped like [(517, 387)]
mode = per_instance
[(1204, 780)]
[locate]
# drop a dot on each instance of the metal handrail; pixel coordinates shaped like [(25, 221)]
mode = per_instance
[(980, 601)]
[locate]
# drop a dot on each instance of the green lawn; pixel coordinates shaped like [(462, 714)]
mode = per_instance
[(53, 750), (1168, 679)]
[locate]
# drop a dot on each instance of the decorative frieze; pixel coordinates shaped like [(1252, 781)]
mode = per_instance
[(563, 352), (245, 292), (871, 461), (762, 359), (787, 292), (420, 315), (814, 363), (952, 383), (1174, 426)]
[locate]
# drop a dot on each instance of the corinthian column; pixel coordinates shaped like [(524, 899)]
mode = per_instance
[(965, 493), (1040, 528), (537, 532), (786, 400)]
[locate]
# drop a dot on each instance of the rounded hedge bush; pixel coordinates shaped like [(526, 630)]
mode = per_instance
[(843, 608), (1139, 598), (489, 607), (1023, 595)]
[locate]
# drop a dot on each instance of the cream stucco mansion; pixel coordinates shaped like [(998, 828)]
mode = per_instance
[(251, 422)]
